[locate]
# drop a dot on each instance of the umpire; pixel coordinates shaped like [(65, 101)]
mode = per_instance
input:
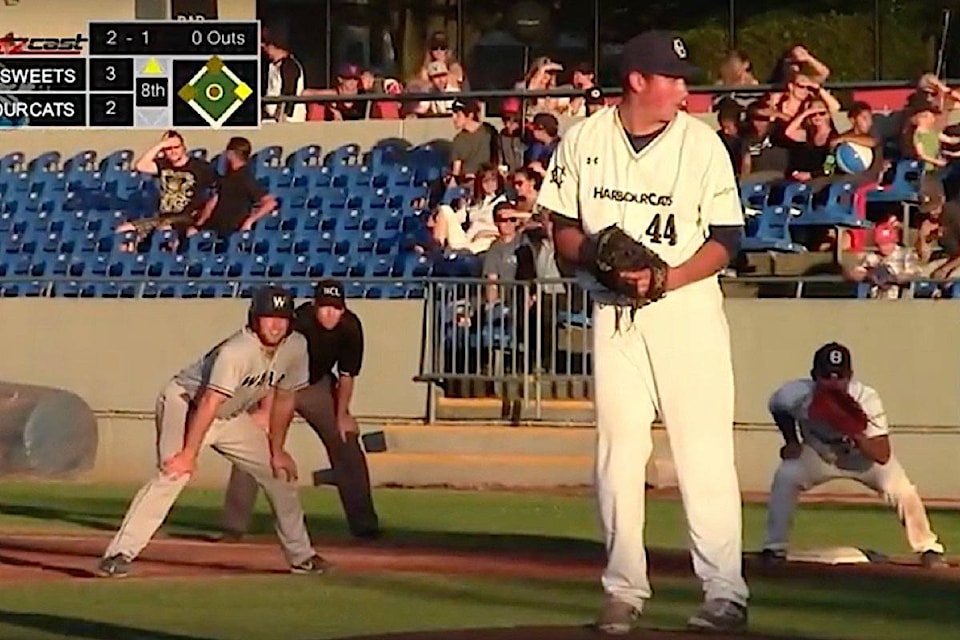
[(335, 343)]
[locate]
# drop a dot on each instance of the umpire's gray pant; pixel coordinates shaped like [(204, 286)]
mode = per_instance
[(316, 405)]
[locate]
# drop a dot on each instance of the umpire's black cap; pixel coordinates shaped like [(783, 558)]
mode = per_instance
[(657, 53), (271, 302), (329, 293), (832, 360)]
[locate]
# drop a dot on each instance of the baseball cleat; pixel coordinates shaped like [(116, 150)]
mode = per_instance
[(773, 557), (312, 566), (617, 618), (933, 560), (116, 566), (719, 615)]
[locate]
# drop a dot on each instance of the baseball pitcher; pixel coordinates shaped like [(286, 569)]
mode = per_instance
[(843, 433), (209, 403)]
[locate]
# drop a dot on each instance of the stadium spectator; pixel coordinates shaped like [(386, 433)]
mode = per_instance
[(525, 183), (927, 138), (511, 142), (582, 78), (285, 77), (474, 145), (810, 132), (888, 269), (509, 258), (449, 236), (765, 158), (933, 91), (799, 92), (489, 189), (945, 264), (542, 76), (861, 133), (348, 85), (798, 60), (438, 82), (438, 50), (545, 136), (240, 200), (729, 114), (184, 186), (938, 218), (549, 298), (371, 82), (736, 70)]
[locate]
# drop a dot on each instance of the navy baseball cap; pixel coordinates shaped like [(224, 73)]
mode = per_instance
[(657, 53), (832, 360)]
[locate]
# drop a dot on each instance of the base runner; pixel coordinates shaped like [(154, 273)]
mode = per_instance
[(643, 200), (843, 433), (209, 403)]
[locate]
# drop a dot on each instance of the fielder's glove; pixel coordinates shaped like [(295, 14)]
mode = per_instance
[(613, 252), (838, 409)]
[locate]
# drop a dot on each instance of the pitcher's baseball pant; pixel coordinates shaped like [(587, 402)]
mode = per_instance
[(810, 470), (315, 404), (675, 359), (242, 443)]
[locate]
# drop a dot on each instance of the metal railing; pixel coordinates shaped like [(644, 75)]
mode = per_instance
[(499, 94)]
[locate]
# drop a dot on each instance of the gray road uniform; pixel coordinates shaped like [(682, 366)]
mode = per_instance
[(239, 368)]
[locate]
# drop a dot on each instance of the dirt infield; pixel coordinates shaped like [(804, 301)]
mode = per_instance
[(49, 557)]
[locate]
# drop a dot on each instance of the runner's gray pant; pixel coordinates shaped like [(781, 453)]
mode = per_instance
[(237, 439)]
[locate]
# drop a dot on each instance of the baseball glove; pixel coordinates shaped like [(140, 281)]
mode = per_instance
[(838, 409), (617, 252)]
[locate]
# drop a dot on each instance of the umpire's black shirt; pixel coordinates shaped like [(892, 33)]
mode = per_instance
[(341, 347)]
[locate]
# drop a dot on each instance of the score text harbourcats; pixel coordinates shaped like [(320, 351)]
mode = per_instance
[(36, 110)]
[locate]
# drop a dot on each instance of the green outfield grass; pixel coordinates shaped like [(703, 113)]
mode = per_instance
[(299, 608)]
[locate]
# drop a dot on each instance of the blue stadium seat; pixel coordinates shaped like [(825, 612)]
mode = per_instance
[(348, 154), (903, 184), (48, 162), (112, 289), (121, 160), (33, 289), (770, 231), (400, 176), (152, 289), (13, 162), (75, 289), (307, 158), (198, 153), (836, 210), (69, 265)]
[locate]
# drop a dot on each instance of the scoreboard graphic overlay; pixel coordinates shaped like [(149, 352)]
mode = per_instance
[(134, 75)]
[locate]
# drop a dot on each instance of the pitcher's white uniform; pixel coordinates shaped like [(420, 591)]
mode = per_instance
[(238, 368), (827, 455), (674, 357)]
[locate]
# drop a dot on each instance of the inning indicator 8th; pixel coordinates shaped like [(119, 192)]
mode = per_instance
[(141, 75)]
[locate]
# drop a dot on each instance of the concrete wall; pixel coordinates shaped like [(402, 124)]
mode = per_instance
[(117, 354)]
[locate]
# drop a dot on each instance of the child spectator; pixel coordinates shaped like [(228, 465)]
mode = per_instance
[(729, 117), (889, 268)]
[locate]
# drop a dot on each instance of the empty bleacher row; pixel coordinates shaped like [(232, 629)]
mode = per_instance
[(346, 214)]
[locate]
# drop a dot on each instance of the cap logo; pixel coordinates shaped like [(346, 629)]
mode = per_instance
[(836, 357), (279, 302), (679, 48), (331, 291)]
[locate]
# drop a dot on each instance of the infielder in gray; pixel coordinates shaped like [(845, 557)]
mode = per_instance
[(209, 403)]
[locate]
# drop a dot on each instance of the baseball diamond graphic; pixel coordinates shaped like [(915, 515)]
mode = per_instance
[(215, 92)]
